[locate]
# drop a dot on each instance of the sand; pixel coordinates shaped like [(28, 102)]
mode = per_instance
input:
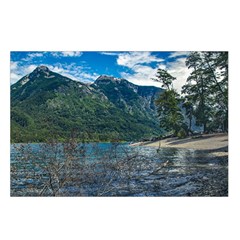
[(217, 142)]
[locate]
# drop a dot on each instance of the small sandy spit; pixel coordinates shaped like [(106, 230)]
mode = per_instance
[(217, 142)]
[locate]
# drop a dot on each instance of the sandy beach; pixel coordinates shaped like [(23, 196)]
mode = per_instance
[(217, 142)]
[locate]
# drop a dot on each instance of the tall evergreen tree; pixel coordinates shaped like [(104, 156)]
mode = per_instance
[(216, 64), (197, 88), (165, 78), (188, 106), (170, 116), (207, 87)]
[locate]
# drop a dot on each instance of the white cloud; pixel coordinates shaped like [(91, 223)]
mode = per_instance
[(38, 54), (74, 72), (18, 71), (71, 71), (14, 77), (71, 54), (134, 60), (162, 66), (139, 62), (30, 68), (179, 54), (178, 70), (143, 74), (66, 54), (110, 53), (87, 77), (130, 59), (13, 65), (31, 56)]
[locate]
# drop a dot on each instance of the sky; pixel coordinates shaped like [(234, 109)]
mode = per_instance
[(136, 67)]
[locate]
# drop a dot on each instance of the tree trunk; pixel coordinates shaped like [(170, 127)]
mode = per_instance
[(205, 127), (190, 124)]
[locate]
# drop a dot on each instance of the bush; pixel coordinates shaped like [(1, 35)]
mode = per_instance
[(182, 133)]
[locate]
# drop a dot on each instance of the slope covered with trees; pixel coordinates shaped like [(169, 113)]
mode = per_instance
[(45, 104)]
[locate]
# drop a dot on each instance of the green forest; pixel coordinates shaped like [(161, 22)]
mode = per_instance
[(203, 97), (46, 105)]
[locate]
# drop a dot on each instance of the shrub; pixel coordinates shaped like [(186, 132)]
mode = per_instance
[(182, 133)]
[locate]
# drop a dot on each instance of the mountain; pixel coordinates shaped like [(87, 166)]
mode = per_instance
[(124, 95), (45, 104)]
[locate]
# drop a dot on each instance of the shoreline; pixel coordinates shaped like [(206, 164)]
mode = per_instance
[(216, 143)]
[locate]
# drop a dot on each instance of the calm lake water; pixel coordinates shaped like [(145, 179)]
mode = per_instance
[(106, 169)]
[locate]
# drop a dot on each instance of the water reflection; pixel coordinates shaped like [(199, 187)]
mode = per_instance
[(117, 170)]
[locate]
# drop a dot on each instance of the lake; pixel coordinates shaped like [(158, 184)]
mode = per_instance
[(105, 169)]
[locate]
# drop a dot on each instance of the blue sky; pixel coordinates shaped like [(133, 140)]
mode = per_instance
[(137, 67)]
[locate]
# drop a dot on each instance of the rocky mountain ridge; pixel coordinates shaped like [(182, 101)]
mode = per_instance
[(45, 103)]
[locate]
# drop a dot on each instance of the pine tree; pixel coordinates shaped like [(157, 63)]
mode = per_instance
[(207, 87), (170, 116), (188, 106)]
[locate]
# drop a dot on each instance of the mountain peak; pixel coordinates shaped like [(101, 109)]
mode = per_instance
[(41, 68), (106, 77)]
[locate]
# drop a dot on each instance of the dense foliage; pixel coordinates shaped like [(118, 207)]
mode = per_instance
[(206, 89), (204, 96), (168, 105), (45, 104)]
